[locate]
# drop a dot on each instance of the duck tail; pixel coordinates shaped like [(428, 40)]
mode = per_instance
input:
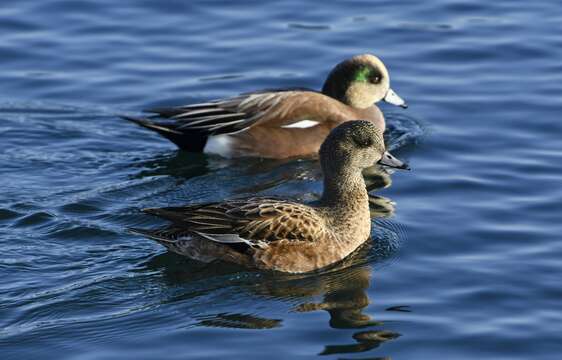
[(174, 214), (192, 141), (178, 240), (158, 235)]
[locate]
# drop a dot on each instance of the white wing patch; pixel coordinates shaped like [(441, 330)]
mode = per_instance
[(220, 145), (232, 239), (303, 124)]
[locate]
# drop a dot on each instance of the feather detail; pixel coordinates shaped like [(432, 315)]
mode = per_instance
[(254, 222), (278, 108)]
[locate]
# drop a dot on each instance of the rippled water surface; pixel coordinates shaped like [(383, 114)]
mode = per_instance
[(465, 261)]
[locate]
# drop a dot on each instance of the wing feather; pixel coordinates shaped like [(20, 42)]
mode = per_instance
[(271, 108), (254, 221)]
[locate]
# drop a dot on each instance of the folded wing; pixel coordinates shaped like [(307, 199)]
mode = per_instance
[(255, 222), (227, 116)]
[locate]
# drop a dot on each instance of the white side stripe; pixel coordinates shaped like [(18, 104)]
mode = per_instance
[(303, 124)]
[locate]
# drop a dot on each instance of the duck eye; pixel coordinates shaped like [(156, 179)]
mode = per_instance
[(376, 79), (366, 142)]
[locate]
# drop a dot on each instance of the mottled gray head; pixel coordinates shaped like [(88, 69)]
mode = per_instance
[(355, 145), (360, 82)]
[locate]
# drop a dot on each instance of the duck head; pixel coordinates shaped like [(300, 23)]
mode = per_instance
[(354, 146), (360, 82)]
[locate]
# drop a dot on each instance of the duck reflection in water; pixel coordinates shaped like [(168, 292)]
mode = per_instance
[(344, 293)]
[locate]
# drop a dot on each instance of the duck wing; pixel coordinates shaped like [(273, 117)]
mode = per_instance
[(255, 222), (276, 108)]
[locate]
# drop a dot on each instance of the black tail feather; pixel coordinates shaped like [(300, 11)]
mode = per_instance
[(193, 141)]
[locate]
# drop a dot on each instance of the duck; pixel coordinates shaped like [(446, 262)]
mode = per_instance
[(282, 123), (269, 233)]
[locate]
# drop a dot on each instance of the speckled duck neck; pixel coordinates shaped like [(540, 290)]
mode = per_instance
[(344, 187)]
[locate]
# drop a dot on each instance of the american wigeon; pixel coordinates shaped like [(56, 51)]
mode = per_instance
[(283, 235), (279, 123)]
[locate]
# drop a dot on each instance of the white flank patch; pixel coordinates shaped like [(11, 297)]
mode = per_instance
[(219, 144), (303, 124)]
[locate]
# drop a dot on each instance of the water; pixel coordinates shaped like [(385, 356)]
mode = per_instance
[(466, 265)]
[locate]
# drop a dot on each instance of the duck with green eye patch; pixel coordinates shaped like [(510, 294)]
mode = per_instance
[(279, 123), (365, 74), (369, 83)]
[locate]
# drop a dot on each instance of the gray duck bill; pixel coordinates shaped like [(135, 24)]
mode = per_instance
[(392, 98), (389, 160)]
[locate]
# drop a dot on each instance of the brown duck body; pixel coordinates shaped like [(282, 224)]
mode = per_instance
[(274, 138), (279, 123), (279, 235), (346, 228), (283, 235)]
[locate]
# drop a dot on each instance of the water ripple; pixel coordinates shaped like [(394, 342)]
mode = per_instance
[(467, 242)]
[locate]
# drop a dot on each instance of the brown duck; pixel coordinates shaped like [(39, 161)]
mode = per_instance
[(279, 123), (283, 235)]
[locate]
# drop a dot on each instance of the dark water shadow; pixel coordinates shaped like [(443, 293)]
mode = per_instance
[(249, 175), (179, 164)]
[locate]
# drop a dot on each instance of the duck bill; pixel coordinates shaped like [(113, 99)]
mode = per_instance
[(389, 160), (392, 98)]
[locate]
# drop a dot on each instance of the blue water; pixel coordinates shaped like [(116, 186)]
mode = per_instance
[(466, 257)]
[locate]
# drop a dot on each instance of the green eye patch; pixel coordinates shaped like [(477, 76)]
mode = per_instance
[(363, 74)]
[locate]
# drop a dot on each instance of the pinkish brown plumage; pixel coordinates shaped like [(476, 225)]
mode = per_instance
[(279, 123)]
